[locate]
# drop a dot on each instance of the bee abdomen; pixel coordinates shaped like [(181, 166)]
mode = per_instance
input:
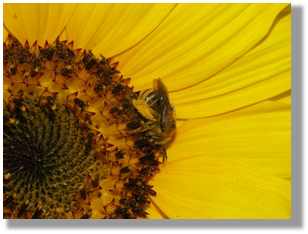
[(152, 100)]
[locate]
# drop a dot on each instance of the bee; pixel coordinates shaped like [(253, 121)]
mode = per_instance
[(156, 108)]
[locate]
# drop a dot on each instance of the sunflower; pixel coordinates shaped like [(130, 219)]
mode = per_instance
[(71, 148)]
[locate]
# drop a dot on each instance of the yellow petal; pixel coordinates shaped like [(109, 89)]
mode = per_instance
[(109, 29), (220, 188), (39, 22), (237, 99), (284, 97), (5, 34), (179, 122), (196, 41), (259, 135), (63, 35), (155, 213), (268, 59), (7, 83)]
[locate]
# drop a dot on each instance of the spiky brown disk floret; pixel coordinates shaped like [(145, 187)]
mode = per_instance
[(68, 151)]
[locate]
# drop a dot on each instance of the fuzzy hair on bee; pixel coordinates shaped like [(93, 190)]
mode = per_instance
[(155, 106)]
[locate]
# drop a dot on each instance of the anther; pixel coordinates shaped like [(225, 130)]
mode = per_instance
[(114, 110), (9, 200), (23, 108), (90, 64), (7, 176), (13, 69), (79, 103), (86, 216), (87, 119), (90, 136), (117, 89), (146, 158), (143, 142), (37, 213), (120, 154), (17, 102), (82, 192), (95, 180), (23, 209), (125, 170), (99, 88), (67, 70)]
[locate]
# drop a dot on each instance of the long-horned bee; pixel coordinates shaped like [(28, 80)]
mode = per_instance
[(155, 106)]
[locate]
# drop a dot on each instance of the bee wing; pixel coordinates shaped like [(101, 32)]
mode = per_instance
[(164, 102)]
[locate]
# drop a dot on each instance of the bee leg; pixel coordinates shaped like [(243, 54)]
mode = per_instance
[(158, 141), (164, 153)]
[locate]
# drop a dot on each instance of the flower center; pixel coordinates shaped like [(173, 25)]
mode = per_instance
[(46, 158), (76, 143)]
